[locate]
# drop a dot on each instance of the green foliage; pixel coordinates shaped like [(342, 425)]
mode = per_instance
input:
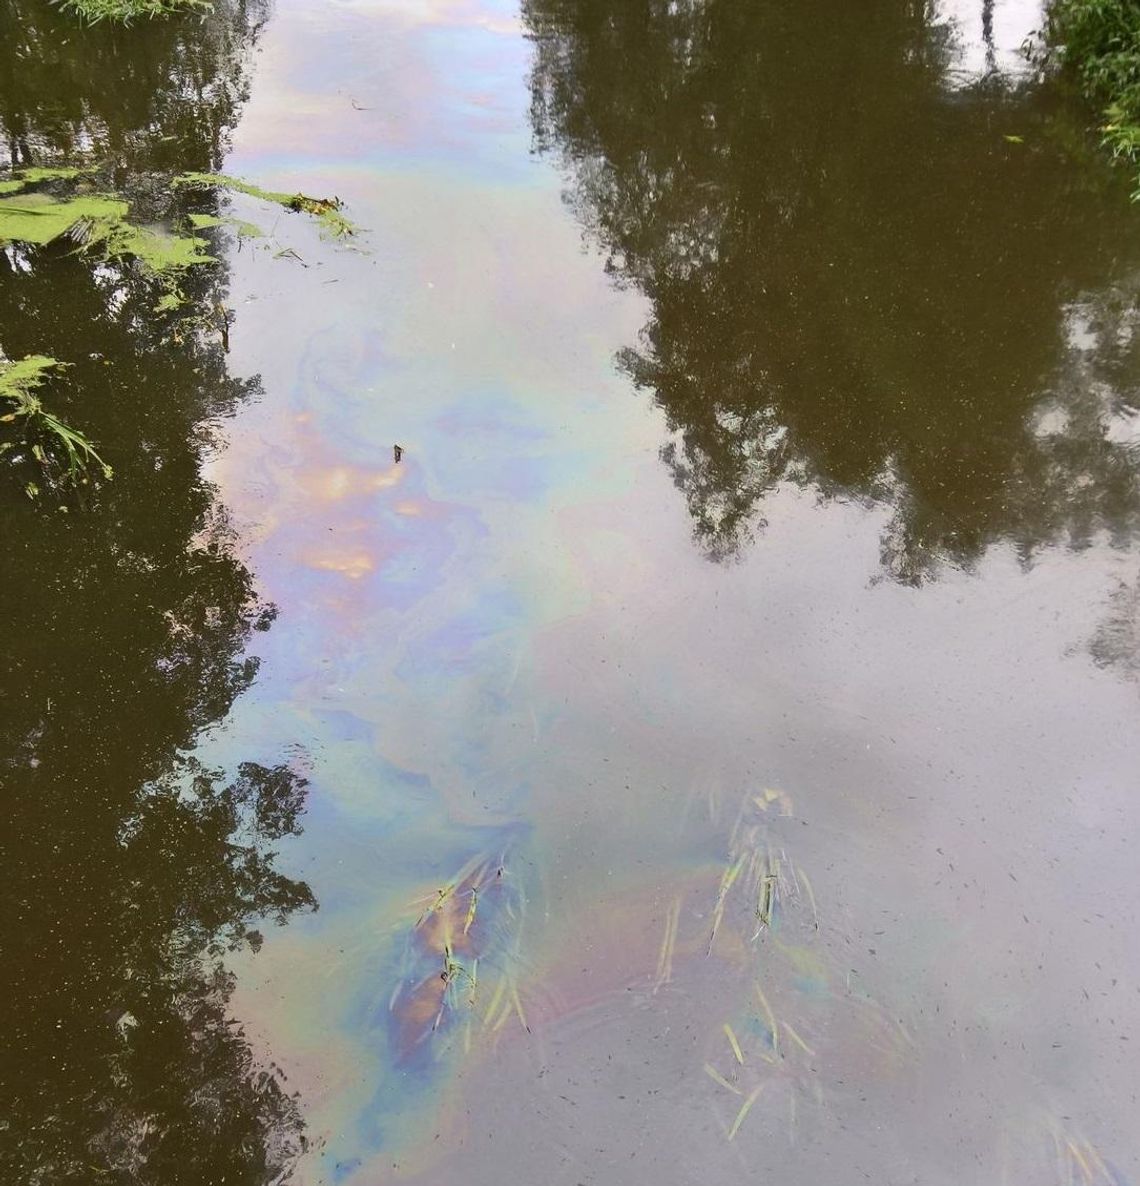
[(95, 223), (49, 439), (1099, 41), (125, 11), (327, 211), (99, 222)]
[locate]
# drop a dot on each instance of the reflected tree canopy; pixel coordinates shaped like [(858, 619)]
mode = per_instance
[(159, 95), (130, 869), (939, 324)]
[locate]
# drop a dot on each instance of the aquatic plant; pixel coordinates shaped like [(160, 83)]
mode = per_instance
[(682, 130), (96, 223), (1099, 42), (466, 936), (327, 211), (99, 223), (795, 1008), (122, 12), (51, 441), (93, 222)]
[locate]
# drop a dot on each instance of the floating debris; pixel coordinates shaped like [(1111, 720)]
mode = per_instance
[(470, 924), (665, 958), (790, 1031), (728, 878), (327, 211), (737, 1053), (764, 905), (99, 222), (745, 1108), (717, 1077)]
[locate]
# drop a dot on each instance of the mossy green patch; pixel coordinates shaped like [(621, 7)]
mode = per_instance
[(39, 218), (96, 222), (37, 173)]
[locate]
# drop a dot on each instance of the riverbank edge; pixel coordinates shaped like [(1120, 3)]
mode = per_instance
[(1097, 43)]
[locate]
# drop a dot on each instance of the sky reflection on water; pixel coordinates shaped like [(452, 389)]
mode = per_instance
[(506, 653)]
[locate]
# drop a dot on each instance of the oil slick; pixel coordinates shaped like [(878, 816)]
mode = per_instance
[(467, 936)]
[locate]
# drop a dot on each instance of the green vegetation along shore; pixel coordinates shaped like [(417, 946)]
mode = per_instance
[(1098, 41), (125, 11)]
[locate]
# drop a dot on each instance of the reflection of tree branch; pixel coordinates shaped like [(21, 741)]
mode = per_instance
[(851, 295), (131, 871), (163, 99), (988, 34)]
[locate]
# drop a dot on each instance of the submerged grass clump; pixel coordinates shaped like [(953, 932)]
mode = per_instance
[(1099, 42), (123, 12), (54, 444)]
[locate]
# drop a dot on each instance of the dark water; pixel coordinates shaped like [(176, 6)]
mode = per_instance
[(714, 737)]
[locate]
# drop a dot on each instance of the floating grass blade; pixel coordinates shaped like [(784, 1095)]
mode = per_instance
[(1081, 1162), (769, 1016), (519, 1008), (327, 211), (496, 1000), (731, 873), (737, 1053), (665, 957), (798, 1040), (718, 1078), (745, 1108), (505, 1015), (764, 904), (811, 897)]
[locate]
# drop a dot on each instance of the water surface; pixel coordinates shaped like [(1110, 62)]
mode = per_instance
[(717, 727)]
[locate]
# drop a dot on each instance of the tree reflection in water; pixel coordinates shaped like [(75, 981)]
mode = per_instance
[(130, 870), (858, 283)]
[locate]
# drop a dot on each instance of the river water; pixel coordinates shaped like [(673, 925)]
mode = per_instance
[(706, 746)]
